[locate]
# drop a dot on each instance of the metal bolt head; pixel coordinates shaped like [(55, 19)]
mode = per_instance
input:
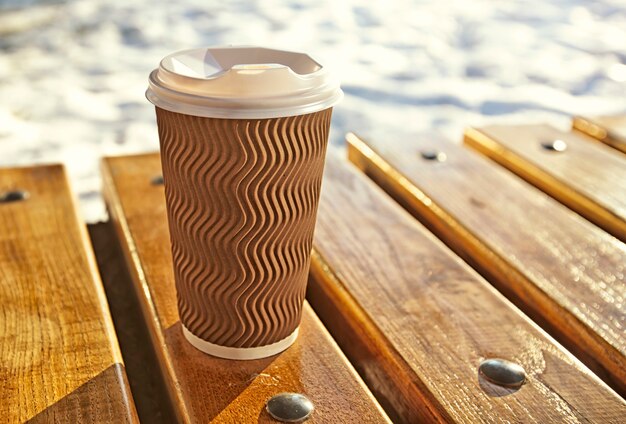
[(158, 180), (290, 407), (433, 155), (14, 196), (502, 372), (554, 145)]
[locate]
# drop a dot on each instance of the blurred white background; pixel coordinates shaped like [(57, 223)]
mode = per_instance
[(73, 73)]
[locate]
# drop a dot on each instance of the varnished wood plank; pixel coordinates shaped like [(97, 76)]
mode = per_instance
[(204, 388), (588, 177), (564, 272), (59, 353), (98, 400), (417, 321), (610, 130)]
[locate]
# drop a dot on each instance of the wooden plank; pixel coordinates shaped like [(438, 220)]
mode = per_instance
[(587, 177), (610, 130), (59, 353), (417, 321), (565, 273), (203, 388)]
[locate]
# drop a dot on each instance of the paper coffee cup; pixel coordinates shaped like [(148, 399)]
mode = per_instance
[(243, 133)]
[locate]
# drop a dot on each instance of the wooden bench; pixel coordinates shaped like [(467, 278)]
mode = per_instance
[(562, 271), (203, 388), (60, 357), (588, 177), (416, 321)]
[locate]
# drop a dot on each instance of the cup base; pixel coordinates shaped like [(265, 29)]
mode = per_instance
[(240, 353)]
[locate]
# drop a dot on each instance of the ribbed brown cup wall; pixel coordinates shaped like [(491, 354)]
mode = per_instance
[(242, 199)]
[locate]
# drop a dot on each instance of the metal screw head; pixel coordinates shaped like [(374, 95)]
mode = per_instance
[(502, 372), (554, 145), (158, 180), (433, 155), (14, 196), (290, 407)]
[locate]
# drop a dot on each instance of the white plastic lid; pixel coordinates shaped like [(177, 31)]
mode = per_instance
[(242, 83)]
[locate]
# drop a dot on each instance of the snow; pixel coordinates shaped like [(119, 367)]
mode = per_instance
[(73, 74)]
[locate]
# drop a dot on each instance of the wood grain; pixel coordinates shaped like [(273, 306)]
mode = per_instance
[(565, 273), (587, 177), (417, 321), (611, 130), (203, 388), (59, 353)]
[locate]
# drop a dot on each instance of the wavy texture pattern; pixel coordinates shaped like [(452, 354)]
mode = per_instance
[(242, 201)]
